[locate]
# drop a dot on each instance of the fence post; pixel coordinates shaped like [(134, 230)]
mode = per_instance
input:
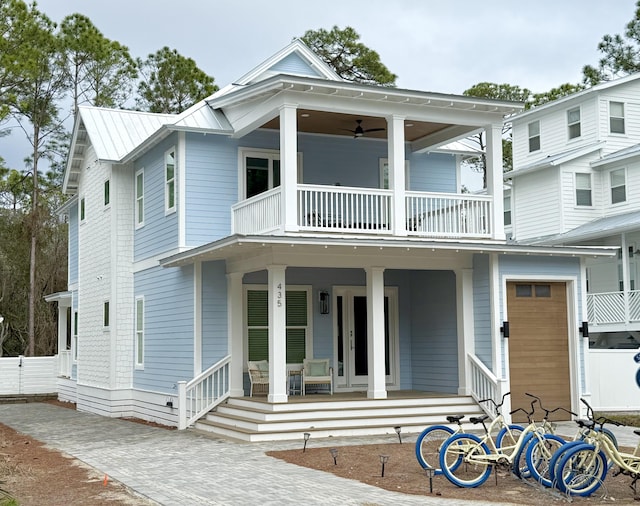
[(182, 405)]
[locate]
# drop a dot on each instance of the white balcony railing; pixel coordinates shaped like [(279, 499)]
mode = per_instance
[(448, 215), (613, 307), (345, 209), (322, 208)]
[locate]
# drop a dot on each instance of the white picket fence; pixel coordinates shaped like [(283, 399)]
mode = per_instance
[(28, 375)]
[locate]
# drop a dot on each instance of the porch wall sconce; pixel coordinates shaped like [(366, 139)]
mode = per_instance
[(584, 329), (505, 329), (323, 299)]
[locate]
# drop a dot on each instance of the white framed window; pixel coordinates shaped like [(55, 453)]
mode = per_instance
[(507, 210), (139, 198), (74, 344), (82, 211), (107, 192), (170, 181), (618, 183), (573, 123), (139, 344), (583, 189), (384, 174), (260, 171), (105, 314), (616, 118), (534, 136), (298, 307)]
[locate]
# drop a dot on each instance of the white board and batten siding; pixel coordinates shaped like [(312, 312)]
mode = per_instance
[(537, 206), (28, 375)]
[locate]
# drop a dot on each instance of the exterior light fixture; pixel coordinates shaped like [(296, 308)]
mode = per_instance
[(323, 298), (398, 429), (334, 454), (584, 329), (383, 460), (306, 438)]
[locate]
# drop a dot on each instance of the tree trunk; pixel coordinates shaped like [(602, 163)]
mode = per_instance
[(31, 351)]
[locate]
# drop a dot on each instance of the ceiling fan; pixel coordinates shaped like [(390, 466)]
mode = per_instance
[(359, 131)]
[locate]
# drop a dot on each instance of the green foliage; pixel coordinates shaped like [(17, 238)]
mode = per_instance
[(630, 419), (350, 59), (554, 94), (171, 82), (499, 92), (621, 54)]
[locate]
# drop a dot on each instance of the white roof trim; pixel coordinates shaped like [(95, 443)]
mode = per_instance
[(553, 160)]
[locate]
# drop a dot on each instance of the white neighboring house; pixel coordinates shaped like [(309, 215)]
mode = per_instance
[(576, 181)]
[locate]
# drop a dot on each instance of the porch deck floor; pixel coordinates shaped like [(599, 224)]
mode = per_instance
[(353, 396)]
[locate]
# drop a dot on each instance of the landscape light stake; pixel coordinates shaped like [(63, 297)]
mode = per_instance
[(306, 438), (397, 428), (383, 459), (430, 472), (334, 454)]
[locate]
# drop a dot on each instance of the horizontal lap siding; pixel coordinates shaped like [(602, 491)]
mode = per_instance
[(574, 215), (628, 95), (159, 233), (434, 348), (214, 313), (482, 309), (537, 204), (168, 327), (433, 172), (293, 64)]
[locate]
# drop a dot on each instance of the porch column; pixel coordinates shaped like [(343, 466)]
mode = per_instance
[(395, 142), (289, 166), (277, 334), (494, 179), (626, 284), (62, 325), (464, 308), (197, 318), (375, 333), (235, 347)]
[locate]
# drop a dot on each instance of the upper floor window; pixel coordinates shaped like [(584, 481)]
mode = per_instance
[(507, 210), (573, 122), (170, 180), (140, 198), (583, 189), (616, 117), (107, 191), (105, 314), (534, 136), (618, 180)]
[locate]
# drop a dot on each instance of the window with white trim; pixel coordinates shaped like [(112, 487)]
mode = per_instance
[(139, 198), (82, 209), (616, 117), (507, 210), (139, 344), (573, 123), (618, 182), (170, 181), (297, 324), (583, 189), (107, 193), (75, 336), (105, 314), (534, 136)]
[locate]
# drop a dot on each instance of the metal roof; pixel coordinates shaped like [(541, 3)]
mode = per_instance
[(554, 160)]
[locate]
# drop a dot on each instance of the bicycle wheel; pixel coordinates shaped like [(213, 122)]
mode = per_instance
[(507, 438), (581, 471), (428, 446), (463, 460), (539, 453), (519, 467), (554, 463)]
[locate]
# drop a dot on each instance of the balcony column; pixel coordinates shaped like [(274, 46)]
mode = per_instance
[(494, 179), (277, 334), (395, 142), (466, 330), (289, 166), (626, 284), (234, 346), (376, 333)]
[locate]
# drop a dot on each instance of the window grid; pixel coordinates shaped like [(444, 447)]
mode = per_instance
[(140, 198), (583, 189), (617, 180), (573, 122), (616, 118), (534, 136), (139, 332), (170, 180)]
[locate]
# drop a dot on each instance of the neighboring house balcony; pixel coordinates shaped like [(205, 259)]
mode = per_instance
[(342, 209), (611, 311)]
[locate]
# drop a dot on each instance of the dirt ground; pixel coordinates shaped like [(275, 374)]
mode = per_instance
[(402, 473), (35, 475)]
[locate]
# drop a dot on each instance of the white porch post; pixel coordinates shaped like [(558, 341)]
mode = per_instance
[(197, 318), (395, 146), (289, 166), (464, 307), (277, 334), (376, 333), (494, 179), (62, 326), (235, 346), (626, 284)]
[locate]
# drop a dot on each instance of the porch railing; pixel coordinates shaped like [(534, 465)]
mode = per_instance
[(613, 307), (203, 393), (484, 384), (258, 214), (344, 209), (64, 363), (448, 215)]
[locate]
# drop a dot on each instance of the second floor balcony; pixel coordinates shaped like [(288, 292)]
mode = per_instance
[(341, 209), (610, 310)]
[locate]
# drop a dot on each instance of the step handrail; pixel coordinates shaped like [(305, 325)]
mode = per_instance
[(484, 384), (203, 393)]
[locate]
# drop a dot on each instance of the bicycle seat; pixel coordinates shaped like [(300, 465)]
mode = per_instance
[(478, 419), (637, 432), (454, 418), (589, 424)]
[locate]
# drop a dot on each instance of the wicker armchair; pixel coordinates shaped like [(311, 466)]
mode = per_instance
[(317, 372), (259, 376)]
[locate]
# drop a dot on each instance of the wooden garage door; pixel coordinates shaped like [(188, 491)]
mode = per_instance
[(539, 346)]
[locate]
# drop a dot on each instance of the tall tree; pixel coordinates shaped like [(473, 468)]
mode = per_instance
[(621, 54), (351, 59), (171, 82), (101, 71), (35, 108)]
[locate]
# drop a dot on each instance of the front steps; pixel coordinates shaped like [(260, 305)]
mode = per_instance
[(254, 419)]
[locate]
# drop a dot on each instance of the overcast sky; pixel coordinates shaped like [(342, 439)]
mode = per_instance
[(432, 45)]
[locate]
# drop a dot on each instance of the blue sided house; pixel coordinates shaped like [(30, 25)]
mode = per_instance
[(295, 254)]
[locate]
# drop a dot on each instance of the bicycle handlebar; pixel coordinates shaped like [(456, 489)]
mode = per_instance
[(497, 406), (547, 411)]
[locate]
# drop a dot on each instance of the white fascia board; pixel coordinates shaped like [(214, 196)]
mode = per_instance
[(555, 162)]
